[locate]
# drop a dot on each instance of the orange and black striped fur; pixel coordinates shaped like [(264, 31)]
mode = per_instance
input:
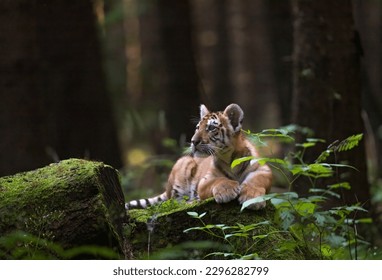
[(207, 172)]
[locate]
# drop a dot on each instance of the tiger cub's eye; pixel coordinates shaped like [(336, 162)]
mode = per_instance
[(211, 127)]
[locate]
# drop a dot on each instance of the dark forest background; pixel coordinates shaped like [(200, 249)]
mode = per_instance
[(120, 81)]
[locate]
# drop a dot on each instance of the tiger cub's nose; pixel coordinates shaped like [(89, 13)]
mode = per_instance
[(194, 144)]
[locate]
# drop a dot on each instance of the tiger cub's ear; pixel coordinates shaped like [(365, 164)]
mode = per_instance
[(235, 115), (203, 111)]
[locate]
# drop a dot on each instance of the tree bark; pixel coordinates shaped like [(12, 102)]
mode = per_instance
[(72, 203), (368, 15), (327, 93), (182, 97), (54, 102), (281, 31)]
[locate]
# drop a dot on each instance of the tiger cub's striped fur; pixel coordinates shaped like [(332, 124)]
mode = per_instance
[(207, 172)]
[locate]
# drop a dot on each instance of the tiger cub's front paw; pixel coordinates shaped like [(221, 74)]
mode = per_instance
[(226, 191), (248, 193)]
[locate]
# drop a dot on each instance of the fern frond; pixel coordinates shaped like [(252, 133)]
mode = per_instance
[(337, 146), (349, 143)]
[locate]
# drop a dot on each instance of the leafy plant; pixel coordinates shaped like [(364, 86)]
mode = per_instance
[(332, 233), (239, 240), (20, 245)]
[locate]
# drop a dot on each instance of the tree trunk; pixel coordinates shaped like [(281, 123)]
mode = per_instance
[(22, 106), (368, 16), (327, 94), (54, 102), (212, 47), (72, 203), (113, 27), (182, 97), (281, 31)]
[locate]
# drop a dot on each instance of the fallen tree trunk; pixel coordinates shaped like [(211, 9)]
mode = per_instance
[(71, 203), (54, 211), (209, 230)]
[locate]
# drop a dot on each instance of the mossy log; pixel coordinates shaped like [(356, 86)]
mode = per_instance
[(72, 203), (164, 232), (77, 202)]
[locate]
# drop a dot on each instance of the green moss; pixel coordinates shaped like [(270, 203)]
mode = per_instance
[(164, 209), (23, 191), (66, 202), (54, 176)]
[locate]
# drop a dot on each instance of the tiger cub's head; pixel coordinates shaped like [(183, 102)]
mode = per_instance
[(216, 132)]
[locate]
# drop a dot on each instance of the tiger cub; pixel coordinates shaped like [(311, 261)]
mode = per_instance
[(207, 172)]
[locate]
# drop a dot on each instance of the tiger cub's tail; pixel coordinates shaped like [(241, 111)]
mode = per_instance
[(146, 202)]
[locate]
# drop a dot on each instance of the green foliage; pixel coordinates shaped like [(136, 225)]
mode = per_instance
[(330, 233), (239, 239), (20, 245), (185, 250)]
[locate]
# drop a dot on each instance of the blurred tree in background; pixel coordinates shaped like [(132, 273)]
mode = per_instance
[(327, 82), (54, 104)]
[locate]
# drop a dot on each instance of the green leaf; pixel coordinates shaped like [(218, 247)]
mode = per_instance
[(314, 170), (196, 215), (202, 215), (287, 246), (364, 221), (306, 145), (241, 160), (252, 201), (323, 156), (320, 168), (194, 228), (287, 218), (311, 142), (317, 190), (261, 236), (280, 134), (257, 200), (315, 140), (320, 219), (263, 161), (316, 198), (343, 185), (250, 227), (210, 226), (222, 226), (250, 257), (305, 208), (343, 165), (260, 161), (193, 214), (326, 251), (277, 201), (335, 240), (237, 234), (349, 143), (290, 195), (349, 209), (323, 191), (298, 169)]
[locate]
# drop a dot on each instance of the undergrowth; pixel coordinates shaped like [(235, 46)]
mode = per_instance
[(326, 232), (20, 245)]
